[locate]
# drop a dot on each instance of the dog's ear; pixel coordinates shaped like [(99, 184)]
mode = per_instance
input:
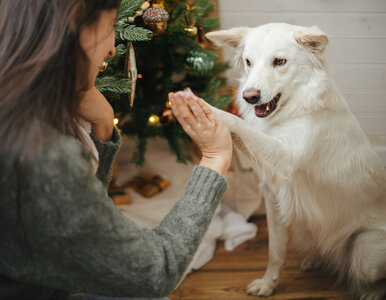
[(230, 37), (312, 38)]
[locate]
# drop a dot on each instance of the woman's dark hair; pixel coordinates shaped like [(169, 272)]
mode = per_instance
[(43, 69)]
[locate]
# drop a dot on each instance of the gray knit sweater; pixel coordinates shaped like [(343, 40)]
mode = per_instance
[(60, 233)]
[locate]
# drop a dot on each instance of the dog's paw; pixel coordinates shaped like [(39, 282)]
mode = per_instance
[(228, 118), (310, 264), (261, 287)]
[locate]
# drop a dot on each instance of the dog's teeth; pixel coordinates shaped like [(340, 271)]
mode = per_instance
[(267, 107)]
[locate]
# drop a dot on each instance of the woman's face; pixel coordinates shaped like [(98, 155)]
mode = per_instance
[(98, 41)]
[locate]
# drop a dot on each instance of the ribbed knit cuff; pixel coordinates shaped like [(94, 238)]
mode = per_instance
[(109, 146), (107, 152), (204, 184)]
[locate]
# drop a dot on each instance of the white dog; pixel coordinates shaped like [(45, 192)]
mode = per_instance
[(319, 173)]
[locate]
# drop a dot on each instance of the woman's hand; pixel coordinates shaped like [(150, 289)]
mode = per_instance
[(95, 109), (206, 129)]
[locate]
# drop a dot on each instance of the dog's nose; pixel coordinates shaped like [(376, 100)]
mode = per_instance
[(251, 96)]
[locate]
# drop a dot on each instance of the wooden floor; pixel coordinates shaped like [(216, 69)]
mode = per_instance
[(228, 273)]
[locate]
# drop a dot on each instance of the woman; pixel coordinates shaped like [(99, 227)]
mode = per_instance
[(60, 233)]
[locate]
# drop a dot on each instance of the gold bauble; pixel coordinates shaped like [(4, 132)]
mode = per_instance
[(104, 66), (156, 19), (191, 30)]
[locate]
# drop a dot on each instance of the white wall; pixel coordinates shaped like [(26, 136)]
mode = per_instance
[(356, 52)]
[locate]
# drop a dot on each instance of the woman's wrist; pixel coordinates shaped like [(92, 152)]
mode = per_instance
[(220, 164)]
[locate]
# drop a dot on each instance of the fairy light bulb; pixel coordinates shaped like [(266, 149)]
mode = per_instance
[(116, 121), (153, 119)]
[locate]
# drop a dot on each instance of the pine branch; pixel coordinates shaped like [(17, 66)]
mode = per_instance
[(201, 8), (113, 85), (223, 101), (177, 21), (129, 8), (219, 67), (210, 93), (176, 13), (200, 61), (174, 145), (128, 32), (169, 62), (120, 50), (139, 155), (210, 23)]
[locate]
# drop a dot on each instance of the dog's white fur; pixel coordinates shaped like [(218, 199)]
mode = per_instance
[(318, 170)]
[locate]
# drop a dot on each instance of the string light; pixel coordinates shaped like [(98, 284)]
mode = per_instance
[(116, 121), (153, 119)]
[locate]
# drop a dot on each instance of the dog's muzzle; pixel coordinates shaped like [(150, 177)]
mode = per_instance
[(264, 110)]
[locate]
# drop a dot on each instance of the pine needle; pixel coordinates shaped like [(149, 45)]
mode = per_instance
[(129, 8), (128, 32), (113, 85)]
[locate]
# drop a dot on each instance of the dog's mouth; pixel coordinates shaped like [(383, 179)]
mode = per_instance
[(268, 108)]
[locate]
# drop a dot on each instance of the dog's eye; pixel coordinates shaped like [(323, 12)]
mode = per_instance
[(279, 61), (248, 62)]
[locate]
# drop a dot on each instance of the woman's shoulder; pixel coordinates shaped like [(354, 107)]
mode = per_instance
[(57, 153), (62, 152), (60, 166), (58, 146)]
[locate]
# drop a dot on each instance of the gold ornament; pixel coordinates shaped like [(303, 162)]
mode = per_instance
[(104, 66), (191, 30), (145, 5), (156, 19)]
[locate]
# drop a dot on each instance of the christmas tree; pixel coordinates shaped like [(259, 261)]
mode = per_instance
[(160, 48)]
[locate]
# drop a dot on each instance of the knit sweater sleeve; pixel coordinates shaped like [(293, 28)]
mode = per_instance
[(107, 152), (79, 241)]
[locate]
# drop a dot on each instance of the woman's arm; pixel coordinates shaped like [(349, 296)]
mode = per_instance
[(79, 241), (107, 152), (95, 109)]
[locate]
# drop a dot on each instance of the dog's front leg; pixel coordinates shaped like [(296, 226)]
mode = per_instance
[(268, 153), (278, 237)]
